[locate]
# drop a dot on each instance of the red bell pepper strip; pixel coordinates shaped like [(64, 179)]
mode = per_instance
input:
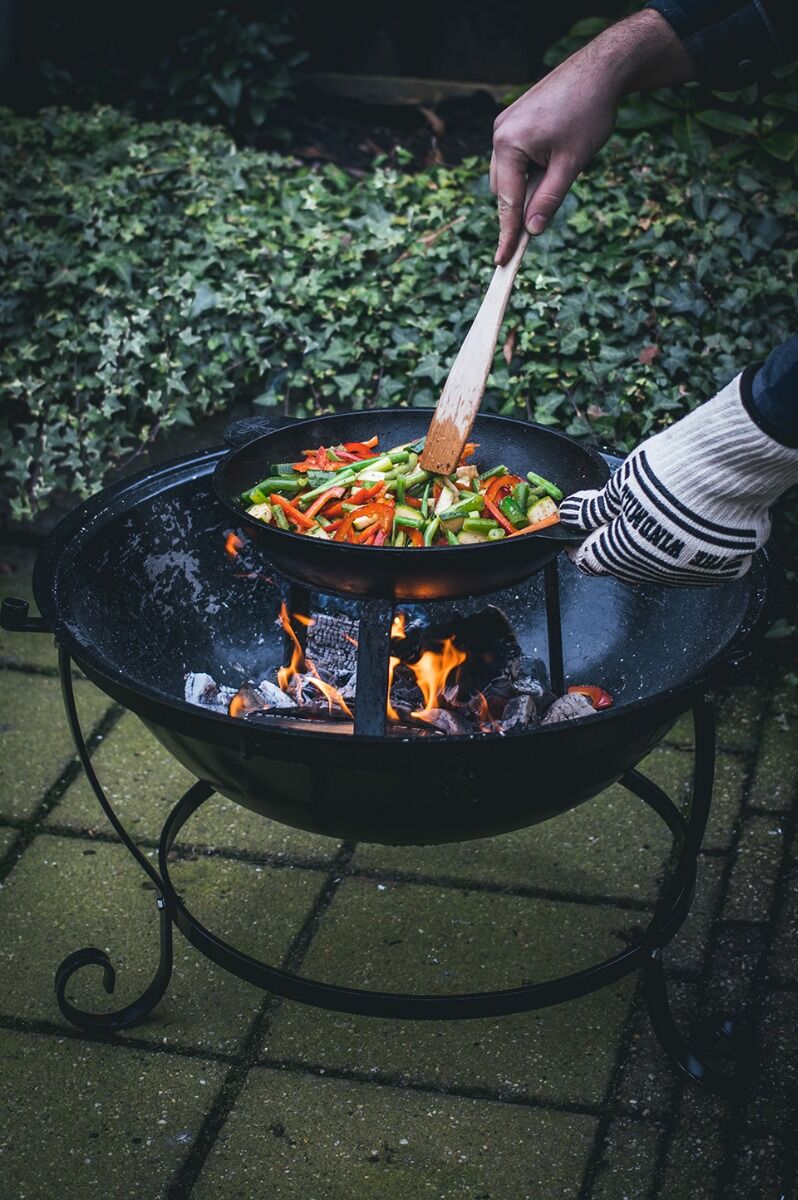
[(379, 540), (291, 512), (320, 501), (496, 512), (415, 536), (364, 449), (377, 508), (468, 450), (367, 493), (552, 520), (412, 502), (596, 695)]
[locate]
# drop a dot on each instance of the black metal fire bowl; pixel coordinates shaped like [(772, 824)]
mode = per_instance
[(136, 586), (137, 589)]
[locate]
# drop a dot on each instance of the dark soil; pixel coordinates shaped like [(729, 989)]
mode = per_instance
[(322, 128)]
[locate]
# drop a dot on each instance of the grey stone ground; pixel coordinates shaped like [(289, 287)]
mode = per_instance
[(226, 1092)]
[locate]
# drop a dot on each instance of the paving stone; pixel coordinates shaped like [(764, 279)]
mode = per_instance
[(67, 893), (29, 649), (422, 939), (759, 1169), (738, 713), (736, 955), (626, 1168), (757, 863), (8, 835), (688, 950), (695, 1148), (647, 1078), (304, 1138), (611, 846), (35, 742), (784, 955), (672, 770), (96, 1120), (775, 782), (144, 782)]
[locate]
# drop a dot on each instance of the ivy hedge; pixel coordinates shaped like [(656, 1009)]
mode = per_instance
[(151, 273)]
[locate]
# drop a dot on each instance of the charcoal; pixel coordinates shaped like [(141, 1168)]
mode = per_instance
[(405, 691), (568, 708), (274, 697), (329, 649), (251, 699), (201, 688), (498, 693), (519, 714), (447, 722), (530, 677), (348, 688)]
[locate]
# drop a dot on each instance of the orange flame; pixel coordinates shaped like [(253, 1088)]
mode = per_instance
[(393, 663), (432, 671), (398, 626), (233, 543), (300, 664), (236, 706)]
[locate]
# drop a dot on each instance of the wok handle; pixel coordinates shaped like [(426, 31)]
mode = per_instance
[(239, 433)]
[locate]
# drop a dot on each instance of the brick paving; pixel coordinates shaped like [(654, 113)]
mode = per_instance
[(227, 1092)]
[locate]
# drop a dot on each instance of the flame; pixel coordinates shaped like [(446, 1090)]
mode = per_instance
[(233, 543), (393, 663), (236, 706), (398, 626), (352, 641), (299, 665), (432, 671)]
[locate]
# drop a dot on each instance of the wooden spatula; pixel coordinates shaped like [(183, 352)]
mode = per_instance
[(462, 393)]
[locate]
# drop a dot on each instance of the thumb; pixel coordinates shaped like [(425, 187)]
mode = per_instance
[(549, 194)]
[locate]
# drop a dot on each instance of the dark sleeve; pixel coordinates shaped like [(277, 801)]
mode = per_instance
[(733, 42)]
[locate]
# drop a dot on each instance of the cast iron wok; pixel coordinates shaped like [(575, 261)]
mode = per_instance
[(431, 573)]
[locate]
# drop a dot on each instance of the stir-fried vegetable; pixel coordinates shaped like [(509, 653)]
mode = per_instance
[(358, 494)]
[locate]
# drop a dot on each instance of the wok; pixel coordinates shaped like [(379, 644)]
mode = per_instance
[(428, 573)]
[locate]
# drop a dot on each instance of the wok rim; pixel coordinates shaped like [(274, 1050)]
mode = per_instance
[(391, 553), (109, 502)]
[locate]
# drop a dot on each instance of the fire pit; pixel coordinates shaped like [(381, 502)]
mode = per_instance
[(139, 590)]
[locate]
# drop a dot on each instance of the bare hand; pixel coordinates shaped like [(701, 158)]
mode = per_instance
[(565, 119)]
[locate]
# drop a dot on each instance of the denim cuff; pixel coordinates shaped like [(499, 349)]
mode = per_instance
[(731, 43), (769, 394)]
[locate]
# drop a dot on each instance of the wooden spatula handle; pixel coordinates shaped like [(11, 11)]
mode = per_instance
[(462, 394)]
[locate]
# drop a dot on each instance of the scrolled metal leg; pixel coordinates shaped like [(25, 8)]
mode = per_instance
[(719, 1035), (137, 1010)]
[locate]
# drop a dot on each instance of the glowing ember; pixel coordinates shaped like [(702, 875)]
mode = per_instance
[(233, 543)]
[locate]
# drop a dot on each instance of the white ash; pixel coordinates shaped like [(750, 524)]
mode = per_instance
[(568, 708), (201, 688), (274, 696)]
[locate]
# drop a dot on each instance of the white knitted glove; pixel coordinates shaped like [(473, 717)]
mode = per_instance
[(690, 505)]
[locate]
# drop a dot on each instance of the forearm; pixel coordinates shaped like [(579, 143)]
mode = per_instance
[(640, 53)]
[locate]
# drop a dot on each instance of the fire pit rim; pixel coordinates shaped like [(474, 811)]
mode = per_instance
[(150, 481)]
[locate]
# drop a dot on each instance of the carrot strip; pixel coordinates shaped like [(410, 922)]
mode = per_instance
[(552, 520), (292, 513)]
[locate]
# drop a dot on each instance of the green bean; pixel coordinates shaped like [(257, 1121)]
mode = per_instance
[(480, 524), (494, 471), (280, 517), (425, 500), (549, 488), (495, 534), (431, 530)]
